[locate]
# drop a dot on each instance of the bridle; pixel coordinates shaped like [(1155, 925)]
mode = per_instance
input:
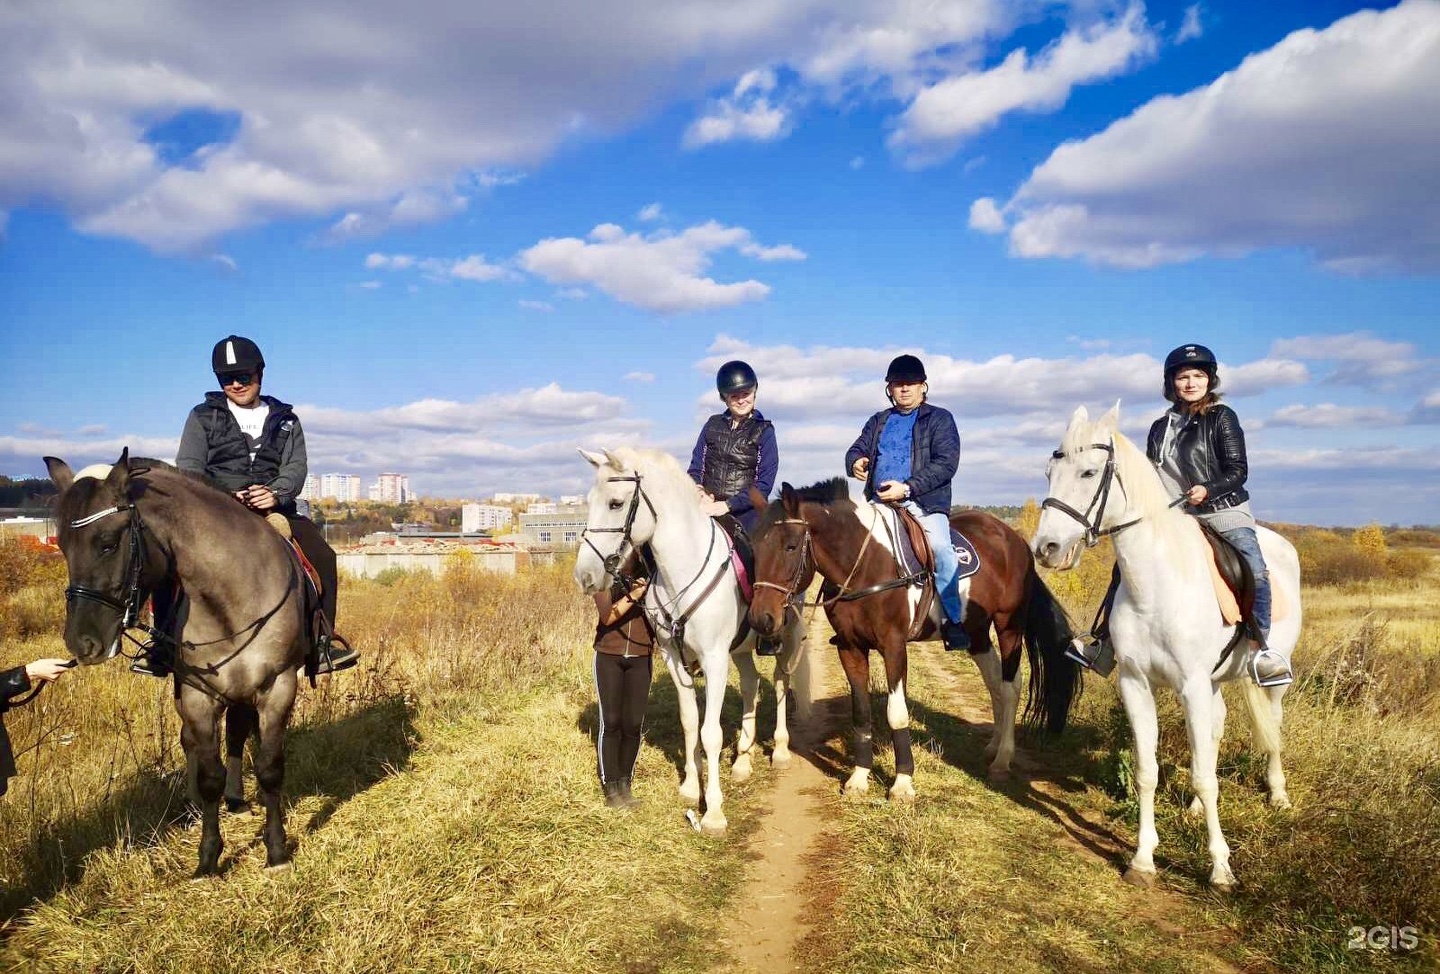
[(612, 561), (844, 594), (790, 593), (132, 596), (1093, 531)]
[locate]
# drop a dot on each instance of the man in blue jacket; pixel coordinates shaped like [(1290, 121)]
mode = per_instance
[(907, 455)]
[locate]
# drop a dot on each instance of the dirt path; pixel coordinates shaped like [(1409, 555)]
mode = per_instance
[(774, 895)]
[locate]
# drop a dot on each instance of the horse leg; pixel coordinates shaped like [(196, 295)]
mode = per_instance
[(856, 664), (988, 662), (240, 722), (1011, 642), (1217, 723), (274, 718), (1274, 773), (200, 738), (787, 670), (713, 821), (897, 714), (1199, 724), (689, 723), (749, 694), (1139, 702)]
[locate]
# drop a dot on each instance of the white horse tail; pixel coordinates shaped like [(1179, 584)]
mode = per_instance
[(1262, 718)]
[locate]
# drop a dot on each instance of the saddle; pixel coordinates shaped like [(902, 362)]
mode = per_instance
[(917, 558), (1235, 584)]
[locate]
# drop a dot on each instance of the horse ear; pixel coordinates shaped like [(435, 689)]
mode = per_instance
[(119, 477), (60, 473), (1080, 415), (594, 459), (1113, 416), (757, 499), (790, 500), (613, 460)]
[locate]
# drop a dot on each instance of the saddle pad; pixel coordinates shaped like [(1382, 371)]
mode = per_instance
[(1230, 603), (741, 576), (912, 562), (742, 552)]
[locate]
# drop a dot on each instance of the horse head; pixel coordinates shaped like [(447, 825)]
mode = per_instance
[(1086, 497), (621, 517), (99, 537), (784, 566)]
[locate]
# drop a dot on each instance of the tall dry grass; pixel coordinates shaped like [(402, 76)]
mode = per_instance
[(99, 756)]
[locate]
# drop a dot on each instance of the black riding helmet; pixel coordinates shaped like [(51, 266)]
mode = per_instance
[(905, 368), (735, 376), (236, 354), (1189, 357)]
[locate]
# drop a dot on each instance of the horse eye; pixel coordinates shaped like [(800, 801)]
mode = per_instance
[(109, 549), (616, 505), (1087, 474), (792, 546)]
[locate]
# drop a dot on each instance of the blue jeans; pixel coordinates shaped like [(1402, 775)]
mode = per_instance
[(947, 566), (1248, 545)]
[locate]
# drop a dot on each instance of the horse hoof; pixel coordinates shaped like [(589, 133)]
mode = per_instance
[(997, 775), (203, 875), (740, 771), (902, 797), (237, 806), (690, 797), (1140, 878), (1223, 886), (1280, 801), (279, 869), (856, 791), (713, 829), (780, 759)]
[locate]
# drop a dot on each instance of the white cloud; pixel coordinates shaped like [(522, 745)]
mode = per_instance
[(660, 272), (746, 113), (476, 268), (986, 217), (225, 261), (472, 268), (572, 293), (1325, 141), (1330, 416), (649, 213), (389, 262), (945, 113), (1361, 358), (536, 305), (1427, 411), (781, 252), (370, 285), (1190, 27), (639, 376)]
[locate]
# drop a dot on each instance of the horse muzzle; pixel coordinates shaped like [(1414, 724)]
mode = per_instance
[(1053, 554)]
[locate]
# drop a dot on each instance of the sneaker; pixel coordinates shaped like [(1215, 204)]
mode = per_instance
[(954, 635), (334, 654), (629, 800), (1270, 669), (1091, 653), (767, 645)]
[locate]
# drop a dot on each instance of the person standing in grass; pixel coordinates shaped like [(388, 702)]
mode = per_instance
[(624, 644), (13, 683)]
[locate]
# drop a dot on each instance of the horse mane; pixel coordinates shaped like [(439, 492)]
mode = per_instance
[(825, 493), (144, 466), (657, 465)]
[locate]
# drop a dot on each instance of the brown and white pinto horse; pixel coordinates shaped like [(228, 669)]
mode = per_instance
[(871, 607)]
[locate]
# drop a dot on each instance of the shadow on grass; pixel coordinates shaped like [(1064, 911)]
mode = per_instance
[(336, 761)]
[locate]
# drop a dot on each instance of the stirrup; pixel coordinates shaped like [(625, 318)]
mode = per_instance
[(1273, 675), (1096, 655), (330, 659)]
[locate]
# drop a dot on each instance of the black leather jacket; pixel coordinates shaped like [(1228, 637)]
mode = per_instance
[(1210, 450)]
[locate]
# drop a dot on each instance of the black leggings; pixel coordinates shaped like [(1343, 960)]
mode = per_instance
[(622, 686)]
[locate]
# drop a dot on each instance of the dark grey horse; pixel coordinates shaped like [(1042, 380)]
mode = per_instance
[(241, 630)]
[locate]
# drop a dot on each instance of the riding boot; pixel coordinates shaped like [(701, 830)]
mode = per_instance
[(629, 800), (613, 798), (159, 660), (333, 654), (954, 635), (1094, 653)]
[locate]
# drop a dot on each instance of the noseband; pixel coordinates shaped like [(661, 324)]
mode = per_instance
[(790, 592), (1093, 531), (132, 596)]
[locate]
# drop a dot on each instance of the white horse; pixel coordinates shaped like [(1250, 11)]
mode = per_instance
[(643, 499), (1166, 626)]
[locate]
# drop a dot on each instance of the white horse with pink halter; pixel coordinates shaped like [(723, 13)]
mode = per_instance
[(1166, 625), (642, 498)]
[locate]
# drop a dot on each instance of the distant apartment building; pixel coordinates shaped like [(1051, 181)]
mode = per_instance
[(571, 500), (515, 498), (484, 517), (559, 528), (392, 488), (341, 486), (541, 507), (311, 490)]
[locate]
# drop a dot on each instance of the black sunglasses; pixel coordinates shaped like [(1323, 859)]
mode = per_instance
[(235, 378)]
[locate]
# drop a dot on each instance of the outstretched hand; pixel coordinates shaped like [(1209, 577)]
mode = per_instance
[(48, 670)]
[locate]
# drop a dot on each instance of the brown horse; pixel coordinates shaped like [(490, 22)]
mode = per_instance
[(872, 605), (241, 632)]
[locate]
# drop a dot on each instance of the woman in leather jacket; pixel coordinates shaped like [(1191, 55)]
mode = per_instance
[(13, 683), (1199, 448)]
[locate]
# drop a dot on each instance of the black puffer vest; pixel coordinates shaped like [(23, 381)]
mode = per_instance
[(227, 460), (1210, 448), (731, 455)]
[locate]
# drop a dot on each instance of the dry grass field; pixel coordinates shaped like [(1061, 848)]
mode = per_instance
[(445, 816)]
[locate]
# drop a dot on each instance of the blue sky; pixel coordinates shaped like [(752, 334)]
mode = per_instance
[(471, 237)]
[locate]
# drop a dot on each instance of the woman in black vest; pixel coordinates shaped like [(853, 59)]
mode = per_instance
[(736, 449), (13, 683), (253, 446)]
